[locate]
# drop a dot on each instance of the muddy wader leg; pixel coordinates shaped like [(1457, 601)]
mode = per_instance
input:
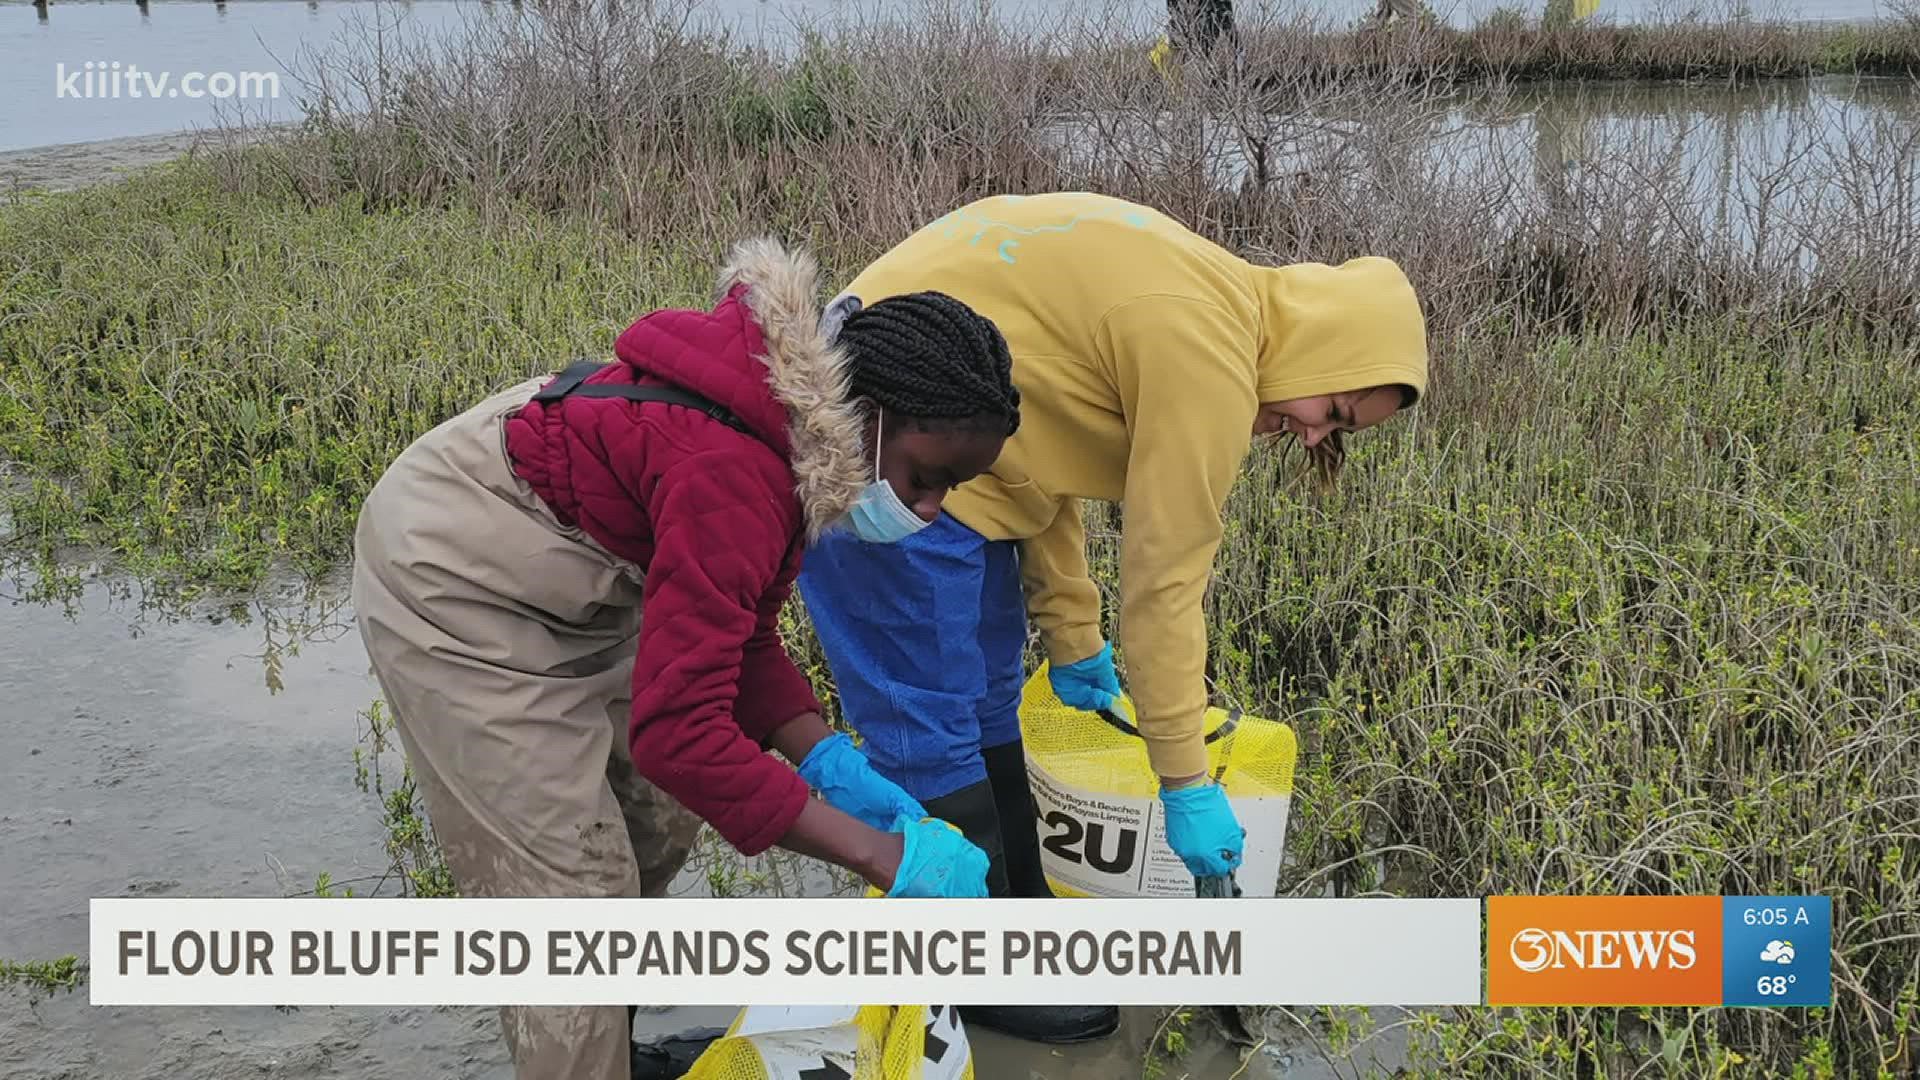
[(660, 831), (503, 644), (520, 806)]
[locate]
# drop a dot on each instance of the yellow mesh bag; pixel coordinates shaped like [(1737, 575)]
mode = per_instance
[(871, 1042), (1101, 829), (925, 1043)]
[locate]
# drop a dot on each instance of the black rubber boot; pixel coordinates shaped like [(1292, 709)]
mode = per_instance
[(971, 808), (974, 810), (1019, 819), (670, 1058)]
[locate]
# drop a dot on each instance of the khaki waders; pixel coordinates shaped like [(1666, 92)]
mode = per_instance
[(503, 642)]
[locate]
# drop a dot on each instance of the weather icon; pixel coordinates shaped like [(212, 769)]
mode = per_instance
[(1777, 952)]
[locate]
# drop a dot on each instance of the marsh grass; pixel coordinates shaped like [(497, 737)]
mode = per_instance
[(1648, 635), (207, 387), (1631, 604)]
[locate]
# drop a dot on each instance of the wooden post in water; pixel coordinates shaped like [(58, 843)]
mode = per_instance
[(142, 5), (1386, 11), (40, 8), (1196, 25)]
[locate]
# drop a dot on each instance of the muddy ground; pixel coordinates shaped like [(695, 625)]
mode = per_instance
[(67, 166), (74, 165), (145, 755)]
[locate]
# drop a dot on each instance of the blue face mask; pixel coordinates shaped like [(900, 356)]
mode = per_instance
[(878, 516)]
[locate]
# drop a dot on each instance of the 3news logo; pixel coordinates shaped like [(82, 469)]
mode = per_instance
[(1659, 950), (1646, 950)]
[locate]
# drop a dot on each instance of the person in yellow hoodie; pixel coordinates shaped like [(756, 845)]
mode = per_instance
[(1148, 359)]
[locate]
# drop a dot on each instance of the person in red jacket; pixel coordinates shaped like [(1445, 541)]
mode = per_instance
[(565, 745)]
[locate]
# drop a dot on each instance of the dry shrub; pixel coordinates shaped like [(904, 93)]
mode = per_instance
[(876, 124)]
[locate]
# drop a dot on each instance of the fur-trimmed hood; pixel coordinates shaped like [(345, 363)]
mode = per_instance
[(763, 354), (808, 374)]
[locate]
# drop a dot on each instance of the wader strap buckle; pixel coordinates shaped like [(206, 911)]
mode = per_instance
[(573, 381)]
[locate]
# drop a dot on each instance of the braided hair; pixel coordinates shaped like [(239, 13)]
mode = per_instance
[(930, 358)]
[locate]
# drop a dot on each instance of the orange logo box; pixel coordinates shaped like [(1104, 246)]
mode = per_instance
[(1603, 950)]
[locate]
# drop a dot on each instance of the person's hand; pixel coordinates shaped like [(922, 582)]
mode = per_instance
[(1202, 829), (1090, 684), (838, 770), (938, 860)]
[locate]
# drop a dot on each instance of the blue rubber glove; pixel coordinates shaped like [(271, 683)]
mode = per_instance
[(1090, 684), (838, 770), (938, 861), (1202, 830)]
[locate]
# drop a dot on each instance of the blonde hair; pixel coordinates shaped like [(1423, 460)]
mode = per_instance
[(1318, 464), (1326, 459), (1321, 462)]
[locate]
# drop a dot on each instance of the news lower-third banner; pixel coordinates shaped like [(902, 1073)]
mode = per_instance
[(769, 951), (1507, 950)]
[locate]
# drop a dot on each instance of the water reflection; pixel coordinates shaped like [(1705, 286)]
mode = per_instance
[(269, 36), (176, 40), (1773, 171), (278, 621)]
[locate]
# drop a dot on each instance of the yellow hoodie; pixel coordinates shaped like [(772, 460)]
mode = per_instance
[(1142, 352)]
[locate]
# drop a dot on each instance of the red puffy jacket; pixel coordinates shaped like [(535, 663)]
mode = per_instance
[(716, 519)]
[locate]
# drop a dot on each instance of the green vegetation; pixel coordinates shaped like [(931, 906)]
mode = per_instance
[(1632, 604), (43, 978), (415, 858), (1718, 45), (1649, 626), (1170, 1039), (202, 385)]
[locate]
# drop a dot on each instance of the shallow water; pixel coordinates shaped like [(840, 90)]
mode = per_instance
[(49, 99), (1788, 165), (1791, 167), (145, 754), (151, 760)]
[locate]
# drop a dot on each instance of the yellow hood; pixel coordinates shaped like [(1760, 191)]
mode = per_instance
[(1336, 328)]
